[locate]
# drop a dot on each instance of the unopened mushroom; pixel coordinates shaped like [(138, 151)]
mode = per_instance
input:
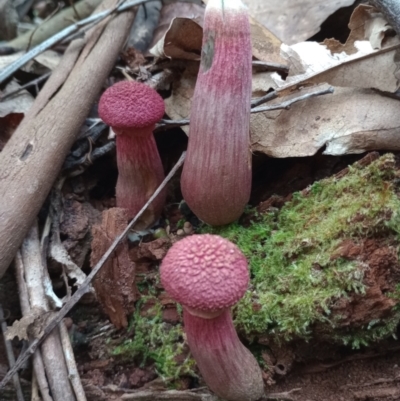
[(216, 177), (132, 110), (208, 274)]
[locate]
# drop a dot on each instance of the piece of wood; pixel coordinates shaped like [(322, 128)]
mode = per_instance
[(115, 283), (32, 159)]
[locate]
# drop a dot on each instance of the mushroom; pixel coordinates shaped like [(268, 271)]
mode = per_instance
[(132, 109), (208, 274), (216, 177)]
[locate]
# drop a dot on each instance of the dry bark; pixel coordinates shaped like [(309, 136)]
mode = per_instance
[(31, 160), (115, 283)]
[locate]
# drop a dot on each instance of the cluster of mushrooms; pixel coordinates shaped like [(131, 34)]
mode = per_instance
[(205, 273)]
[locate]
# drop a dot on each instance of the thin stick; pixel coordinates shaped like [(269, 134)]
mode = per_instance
[(10, 356), (38, 365), (73, 373), (264, 99), (27, 85), (286, 105), (52, 323), (17, 64), (267, 66), (48, 18), (165, 124)]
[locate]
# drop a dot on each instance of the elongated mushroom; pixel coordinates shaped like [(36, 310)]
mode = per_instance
[(208, 274), (132, 110), (216, 177)]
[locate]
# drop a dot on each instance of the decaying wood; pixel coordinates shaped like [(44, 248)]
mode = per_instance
[(115, 284), (31, 160)]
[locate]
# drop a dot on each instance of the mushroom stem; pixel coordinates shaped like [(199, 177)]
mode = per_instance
[(227, 366), (139, 172), (216, 177)]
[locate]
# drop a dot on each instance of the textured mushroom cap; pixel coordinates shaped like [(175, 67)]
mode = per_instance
[(129, 104), (205, 272)]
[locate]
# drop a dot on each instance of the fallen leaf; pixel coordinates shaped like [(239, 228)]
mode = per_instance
[(12, 110), (294, 21), (181, 41), (349, 121), (362, 62), (16, 104), (21, 327), (191, 11)]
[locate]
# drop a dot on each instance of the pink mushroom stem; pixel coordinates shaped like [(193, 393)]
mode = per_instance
[(208, 274), (227, 367), (216, 177), (132, 110), (140, 172)]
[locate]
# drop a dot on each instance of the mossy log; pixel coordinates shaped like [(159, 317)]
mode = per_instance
[(326, 264)]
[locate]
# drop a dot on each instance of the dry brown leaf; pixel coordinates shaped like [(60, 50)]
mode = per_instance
[(366, 23), (349, 121), (48, 59), (181, 41), (12, 111), (19, 103), (177, 9), (367, 60), (177, 106), (266, 46), (20, 328), (294, 21), (179, 35)]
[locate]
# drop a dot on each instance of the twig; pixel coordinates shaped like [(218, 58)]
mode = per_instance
[(17, 64), (169, 395), (38, 365), (284, 396), (10, 356), (267, 66), (52, 323), (53, 358), (48, 18), (35, 389), (27, 85), (73, 373), (72, 4), (166, 124), (264, 99), (286, 105)]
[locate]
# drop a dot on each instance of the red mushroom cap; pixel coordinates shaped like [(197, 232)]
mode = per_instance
[(129, 104), (205, 273)]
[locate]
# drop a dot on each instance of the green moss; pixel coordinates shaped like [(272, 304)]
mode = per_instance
[(295, 279), (154, 341)]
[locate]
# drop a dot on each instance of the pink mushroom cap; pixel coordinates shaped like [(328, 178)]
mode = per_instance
[(129, 104), (205, 273)]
